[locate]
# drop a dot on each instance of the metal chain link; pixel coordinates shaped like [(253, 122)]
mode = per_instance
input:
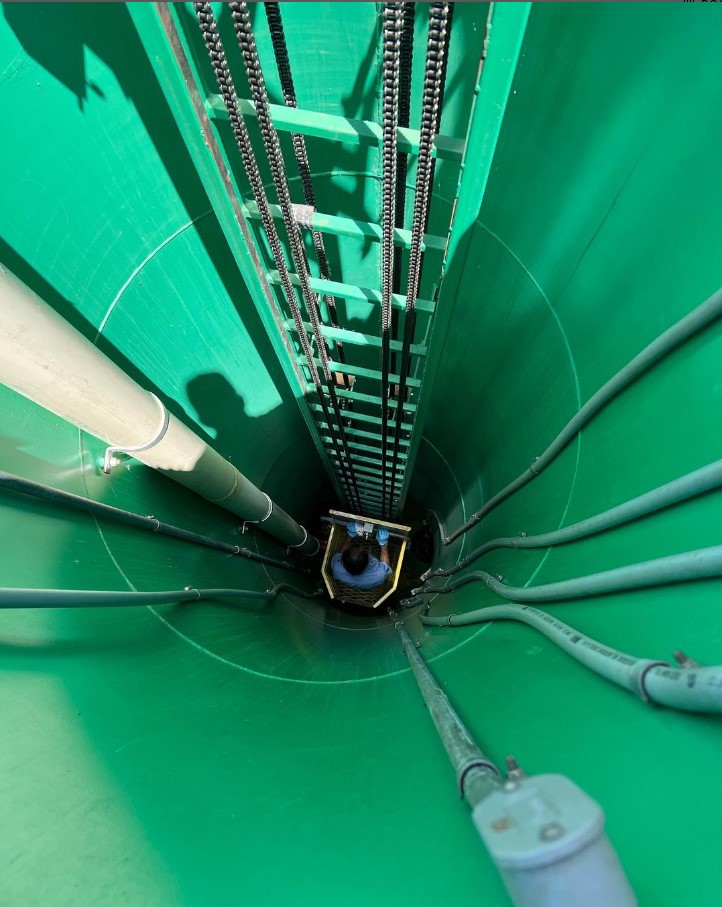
[(392, 21), (434, 76), (280, 51), (247, 43), (214, 46)]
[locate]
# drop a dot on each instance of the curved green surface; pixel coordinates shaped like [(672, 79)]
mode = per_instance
[(260, 755)]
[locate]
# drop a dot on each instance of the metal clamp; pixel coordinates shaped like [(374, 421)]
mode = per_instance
[(531, 466), (155, 520), (639, 675), (303, 542), (470, 765), (257, 522), (109, 461)]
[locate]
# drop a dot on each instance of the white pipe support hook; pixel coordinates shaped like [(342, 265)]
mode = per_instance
[(263, 519), (110, 460)]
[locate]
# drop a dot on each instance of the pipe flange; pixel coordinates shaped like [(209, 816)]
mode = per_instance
[(109, 460)]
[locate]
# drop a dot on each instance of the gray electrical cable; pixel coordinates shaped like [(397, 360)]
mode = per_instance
[(96, 598), (16, 484), (476, 774), (676, 568), (690, 689), (681, 489), (686, 327)]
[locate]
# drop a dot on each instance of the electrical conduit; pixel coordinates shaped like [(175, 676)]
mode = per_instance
[(676, 568), (687, 486), (97, 598), (692, 688), (545, 835), (13, 483), (686, 327)]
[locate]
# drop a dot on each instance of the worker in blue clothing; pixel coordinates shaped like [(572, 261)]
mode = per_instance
[(355, 567)]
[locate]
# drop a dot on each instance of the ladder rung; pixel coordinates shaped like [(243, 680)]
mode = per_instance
[(346, 369), (350, 291), (328, 441), (375, 476), (362, 417), (336, 128), (356, 229), (368, 398), (362, 434), (355, 458), (356, 338)]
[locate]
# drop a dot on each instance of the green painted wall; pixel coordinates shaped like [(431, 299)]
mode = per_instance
[(222, 755)]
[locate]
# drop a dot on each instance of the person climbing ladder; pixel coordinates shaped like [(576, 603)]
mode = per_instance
[(354, 566)]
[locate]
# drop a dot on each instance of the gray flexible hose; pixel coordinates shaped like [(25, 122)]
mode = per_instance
[(681, 489), (677, 568), (685, 328), (94, 598), (691, 689)]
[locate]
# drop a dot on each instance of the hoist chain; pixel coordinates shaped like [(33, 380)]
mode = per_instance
[(247, 43), (392, 19), (224, 78), (406, 60), (434, 76), (280, 51)]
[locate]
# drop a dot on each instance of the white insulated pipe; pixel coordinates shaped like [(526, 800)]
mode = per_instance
[(46, 360)]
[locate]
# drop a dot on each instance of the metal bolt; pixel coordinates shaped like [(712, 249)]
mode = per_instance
[(684, 661), (552, 831), (513, 771), (418, 643)]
